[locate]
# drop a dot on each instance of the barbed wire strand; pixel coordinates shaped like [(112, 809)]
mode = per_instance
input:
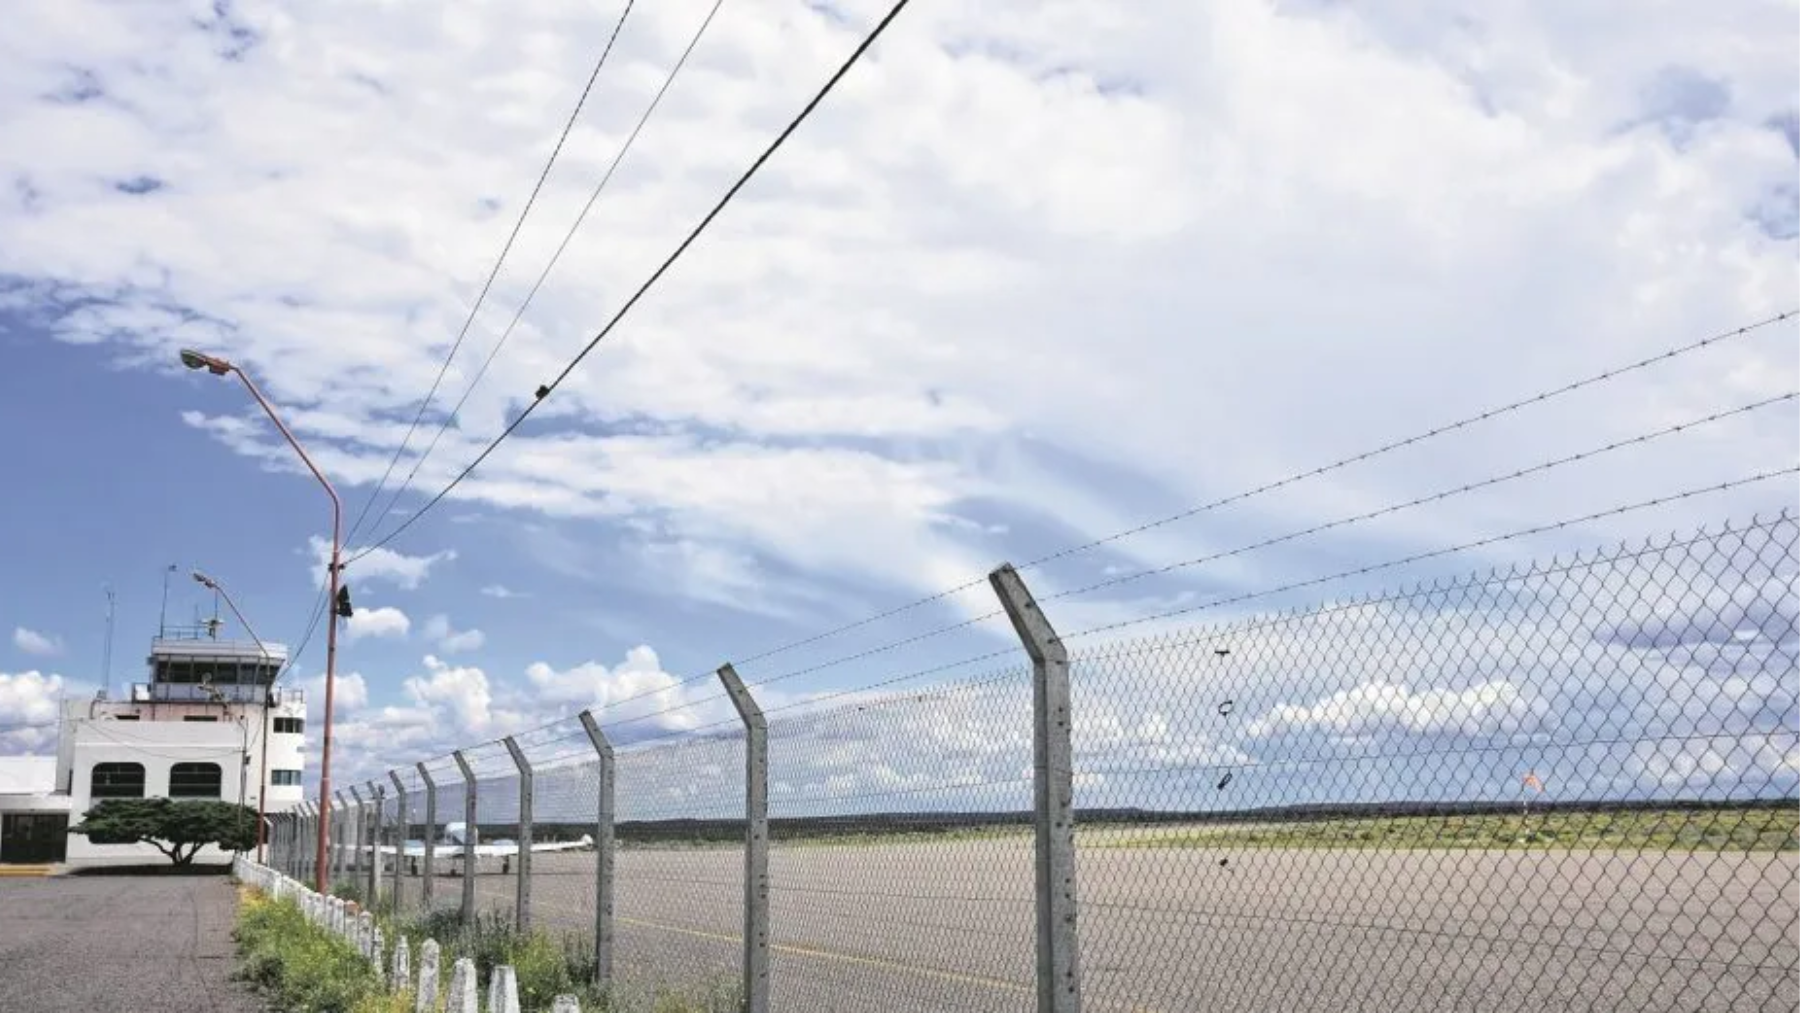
[(1341, 522), (1292, 479), (1244, 597)]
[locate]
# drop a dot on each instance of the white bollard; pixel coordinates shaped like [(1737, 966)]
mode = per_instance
[(462, 998), (365, 933), (565, 1004), (428, 978), (503, 991), (402, 965)]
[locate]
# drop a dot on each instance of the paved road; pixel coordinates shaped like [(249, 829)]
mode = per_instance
[(948, 926), (150, 944)]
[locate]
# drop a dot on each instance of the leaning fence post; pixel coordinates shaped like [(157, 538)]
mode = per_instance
[(287, 857), (303, 863), (429, 836), (402, 825), (1053, 795), (522, 906), (468, 843), (310, 848), (603, 854), (339, 834), (756, 842), (375, 824), (356, 835)]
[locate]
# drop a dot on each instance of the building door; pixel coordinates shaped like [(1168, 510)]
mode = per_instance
[(34, 838)]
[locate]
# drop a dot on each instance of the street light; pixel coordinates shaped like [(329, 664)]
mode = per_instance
[(262, 792), (220, 367)]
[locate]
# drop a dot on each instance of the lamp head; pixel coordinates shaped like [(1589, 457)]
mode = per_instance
[(205, 581), (200, 360)]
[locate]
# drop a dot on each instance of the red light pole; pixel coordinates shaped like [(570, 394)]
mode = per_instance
[(220, 367)]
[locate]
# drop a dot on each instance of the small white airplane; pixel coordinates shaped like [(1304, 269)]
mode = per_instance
[(452, 847)]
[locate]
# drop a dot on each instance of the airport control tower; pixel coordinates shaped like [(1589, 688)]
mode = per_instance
[(208, 725)]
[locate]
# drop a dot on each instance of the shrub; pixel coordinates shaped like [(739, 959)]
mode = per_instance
[(301, 967)]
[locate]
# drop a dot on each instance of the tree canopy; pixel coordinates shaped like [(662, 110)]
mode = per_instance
[(177, 829)]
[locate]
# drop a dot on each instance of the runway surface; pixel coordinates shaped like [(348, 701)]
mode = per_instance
[(948, 925)]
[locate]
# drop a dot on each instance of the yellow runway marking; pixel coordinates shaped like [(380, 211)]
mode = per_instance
[(847, 958)]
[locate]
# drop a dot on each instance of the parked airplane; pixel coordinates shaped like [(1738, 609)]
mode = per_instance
[(453, 846)]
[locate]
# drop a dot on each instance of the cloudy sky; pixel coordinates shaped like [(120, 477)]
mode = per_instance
[(1036, 273)]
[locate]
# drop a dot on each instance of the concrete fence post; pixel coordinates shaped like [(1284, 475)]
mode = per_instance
[(340, 833), (379, 794), (304, 861), (603, 853), (278, 841), (756, 842), (1053, 795), (430, 837), (314, 813), (402, 824), (356, 835), (522, 906), (470, 813)]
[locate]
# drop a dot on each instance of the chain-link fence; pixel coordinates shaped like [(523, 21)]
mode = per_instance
[(1565, 786)]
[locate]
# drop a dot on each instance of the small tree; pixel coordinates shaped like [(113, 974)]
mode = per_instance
[(177, 829)]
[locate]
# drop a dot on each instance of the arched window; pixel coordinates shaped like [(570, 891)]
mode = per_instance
[(194, 780), (117, 780)]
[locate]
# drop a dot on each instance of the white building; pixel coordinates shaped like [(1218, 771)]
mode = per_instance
[(206, 726)]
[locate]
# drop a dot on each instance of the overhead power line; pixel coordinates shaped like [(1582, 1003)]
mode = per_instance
[(475, 308), (543, 275), (543, 393)]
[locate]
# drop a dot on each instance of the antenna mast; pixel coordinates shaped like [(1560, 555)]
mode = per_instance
[(106, 655)]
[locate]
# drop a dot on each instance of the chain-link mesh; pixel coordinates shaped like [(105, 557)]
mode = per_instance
[(902, 868), (496, 868), (1569, 786), (680, 886)]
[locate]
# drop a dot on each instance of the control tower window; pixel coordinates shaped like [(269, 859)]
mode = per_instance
[(194, 780), (117, 780)]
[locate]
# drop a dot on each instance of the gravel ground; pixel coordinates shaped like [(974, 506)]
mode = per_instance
[(149, 944)]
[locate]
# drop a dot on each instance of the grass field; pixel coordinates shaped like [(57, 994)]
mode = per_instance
[(1765, 829)]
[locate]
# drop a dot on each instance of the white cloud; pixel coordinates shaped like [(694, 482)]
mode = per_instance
[(1489, 708), (451, 640), (28, 698), (463, 691), (386, 621), (397, 568), (33, 642), (350, 694), (502, 591), (897, 322), (661, 699), (28, 710)]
